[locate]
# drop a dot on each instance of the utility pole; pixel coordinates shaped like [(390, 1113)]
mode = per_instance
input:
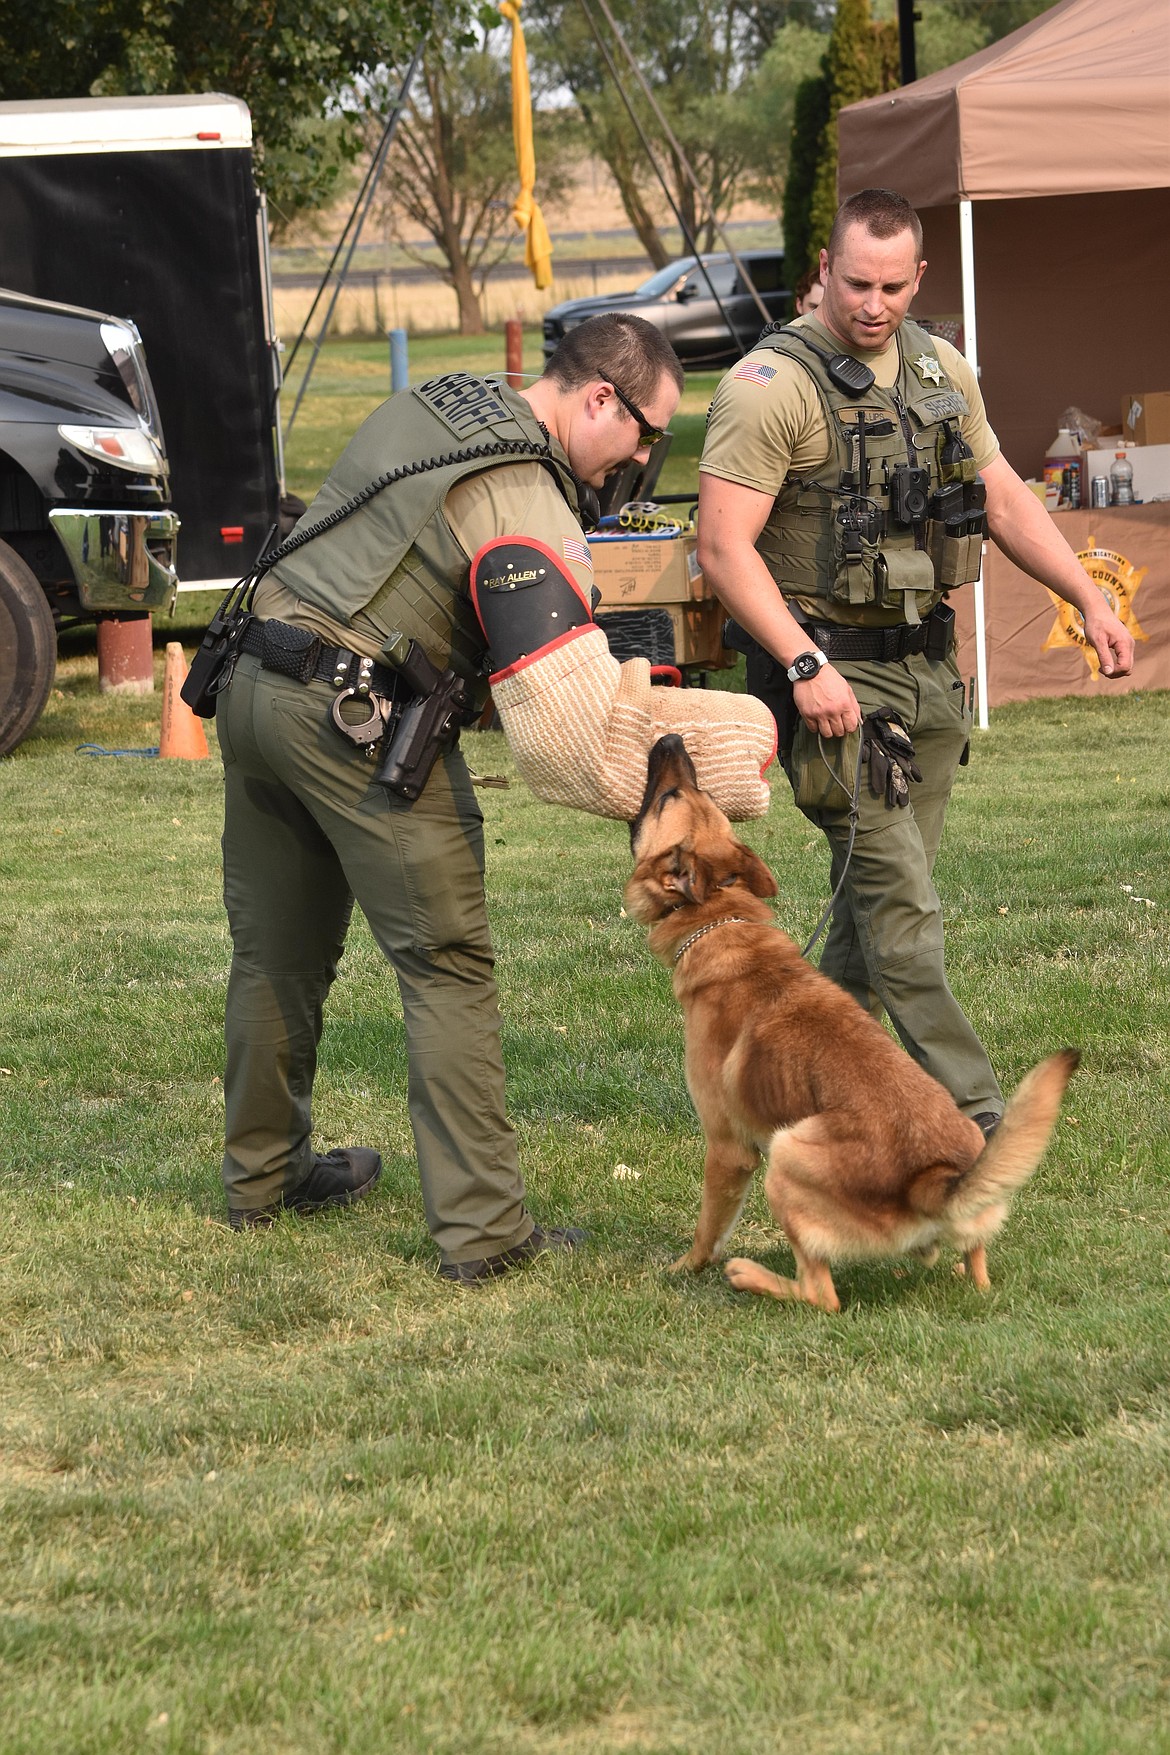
[(906, 21)]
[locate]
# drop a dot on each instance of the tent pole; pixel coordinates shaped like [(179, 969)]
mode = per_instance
[(967, 258), (971, 349)]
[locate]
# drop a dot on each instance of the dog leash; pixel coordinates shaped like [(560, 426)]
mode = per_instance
[(738, 920)]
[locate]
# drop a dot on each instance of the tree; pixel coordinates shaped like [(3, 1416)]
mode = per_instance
[(694, 55), (765, 111), (810, 113), (289, 60), (451, 171), (942, 34), (860, 61)]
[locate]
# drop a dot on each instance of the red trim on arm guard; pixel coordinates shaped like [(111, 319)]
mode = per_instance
[(525, 600), (531, 657)]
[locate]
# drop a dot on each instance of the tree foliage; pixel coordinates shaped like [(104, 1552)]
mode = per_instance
[(694, 55), (451, 172), (289, 60), (765, 109), (860, 61), (809, 116)]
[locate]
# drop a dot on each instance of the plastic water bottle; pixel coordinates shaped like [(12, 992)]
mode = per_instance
[(1121, 480)]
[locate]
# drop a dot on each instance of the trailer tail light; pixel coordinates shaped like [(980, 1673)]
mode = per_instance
[(232, 532)]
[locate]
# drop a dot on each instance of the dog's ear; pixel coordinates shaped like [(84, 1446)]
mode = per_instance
[(755, 873), (689, 874)]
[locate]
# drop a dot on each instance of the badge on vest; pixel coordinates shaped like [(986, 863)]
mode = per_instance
[(928, 368)]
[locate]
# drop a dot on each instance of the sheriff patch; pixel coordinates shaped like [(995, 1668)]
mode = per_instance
[(943, 407), (467, 405)]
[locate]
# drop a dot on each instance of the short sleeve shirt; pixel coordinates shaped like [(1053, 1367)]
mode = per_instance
[(764, 426)]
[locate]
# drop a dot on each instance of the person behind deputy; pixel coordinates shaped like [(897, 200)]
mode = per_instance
[(807, 293), (850, 630)]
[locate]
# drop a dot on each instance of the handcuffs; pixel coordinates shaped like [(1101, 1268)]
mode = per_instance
[(365, 734)]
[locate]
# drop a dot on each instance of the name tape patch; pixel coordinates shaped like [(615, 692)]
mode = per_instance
[(940, 407), (467, 405)]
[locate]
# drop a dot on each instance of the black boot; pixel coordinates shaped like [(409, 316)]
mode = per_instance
[(490, 1267), (336, 1180)]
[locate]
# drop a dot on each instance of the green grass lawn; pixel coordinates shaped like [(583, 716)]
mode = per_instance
[(285, 1493), (289, 1492)]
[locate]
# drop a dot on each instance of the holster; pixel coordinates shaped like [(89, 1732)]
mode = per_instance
[(768, 681)]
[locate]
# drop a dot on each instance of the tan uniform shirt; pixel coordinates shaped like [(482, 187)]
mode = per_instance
[(521, 499), (759, 433)]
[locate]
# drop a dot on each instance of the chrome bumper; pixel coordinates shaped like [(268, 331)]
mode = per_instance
[(120, 560)]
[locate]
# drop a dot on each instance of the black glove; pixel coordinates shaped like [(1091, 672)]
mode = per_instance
[(886, 746)]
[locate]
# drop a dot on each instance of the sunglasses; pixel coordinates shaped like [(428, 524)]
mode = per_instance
[(650, 435)]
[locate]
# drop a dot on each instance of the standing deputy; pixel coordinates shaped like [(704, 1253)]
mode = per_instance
[(848, 478), (475, 553)]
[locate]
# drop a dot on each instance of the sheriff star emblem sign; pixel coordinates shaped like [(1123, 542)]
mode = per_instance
[(1118, 580), (928, 368)]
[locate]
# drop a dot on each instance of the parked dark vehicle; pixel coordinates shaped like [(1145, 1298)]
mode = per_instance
[(145, 207), (678, 300), (86, 524)]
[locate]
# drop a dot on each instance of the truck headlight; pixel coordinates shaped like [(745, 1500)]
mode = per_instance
[(125, 447)]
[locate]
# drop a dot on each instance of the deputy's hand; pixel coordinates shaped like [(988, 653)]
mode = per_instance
[(1109, 638), (827, 704)]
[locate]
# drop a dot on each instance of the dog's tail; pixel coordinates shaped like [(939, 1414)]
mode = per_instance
[(1017, 1145)]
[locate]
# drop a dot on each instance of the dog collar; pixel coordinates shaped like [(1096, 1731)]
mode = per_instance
[(731, 920)]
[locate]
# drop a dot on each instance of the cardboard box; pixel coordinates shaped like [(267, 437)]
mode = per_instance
[(1145, 417), (630, 570), (659, 573)]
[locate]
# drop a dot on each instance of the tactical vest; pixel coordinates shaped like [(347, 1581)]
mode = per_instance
[(395, 561), (894, 517)]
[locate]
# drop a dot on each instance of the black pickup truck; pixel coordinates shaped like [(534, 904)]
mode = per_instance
[(86, 523), (146, 207)]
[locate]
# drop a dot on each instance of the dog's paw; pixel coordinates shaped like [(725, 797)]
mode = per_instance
[(690, 1263), (749, 1276)]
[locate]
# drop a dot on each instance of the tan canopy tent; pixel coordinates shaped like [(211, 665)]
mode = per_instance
[(1040, 168)]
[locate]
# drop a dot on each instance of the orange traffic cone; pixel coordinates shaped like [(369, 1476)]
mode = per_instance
[(182, 734)]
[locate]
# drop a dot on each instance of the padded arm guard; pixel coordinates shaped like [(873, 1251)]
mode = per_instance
[(523, 598), (580, 726)]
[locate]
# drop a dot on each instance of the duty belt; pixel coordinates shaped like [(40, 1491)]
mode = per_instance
[(295, 652), (868, 644)]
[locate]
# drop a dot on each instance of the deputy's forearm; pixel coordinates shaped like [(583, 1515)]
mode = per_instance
[(748, 593), (1022, 529)]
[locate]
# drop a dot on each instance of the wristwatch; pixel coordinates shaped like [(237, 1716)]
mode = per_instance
[(805, 665)]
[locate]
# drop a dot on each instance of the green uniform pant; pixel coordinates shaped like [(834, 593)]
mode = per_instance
[(885, 945), (306, 831)]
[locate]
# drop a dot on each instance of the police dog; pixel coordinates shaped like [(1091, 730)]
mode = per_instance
[(867, 1154)]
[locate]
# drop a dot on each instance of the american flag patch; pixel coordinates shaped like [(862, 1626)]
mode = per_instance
[(756, 373), (576, 550)]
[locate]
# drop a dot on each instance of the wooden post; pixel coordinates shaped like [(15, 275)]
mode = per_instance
[(125, 655), (514, 352)]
